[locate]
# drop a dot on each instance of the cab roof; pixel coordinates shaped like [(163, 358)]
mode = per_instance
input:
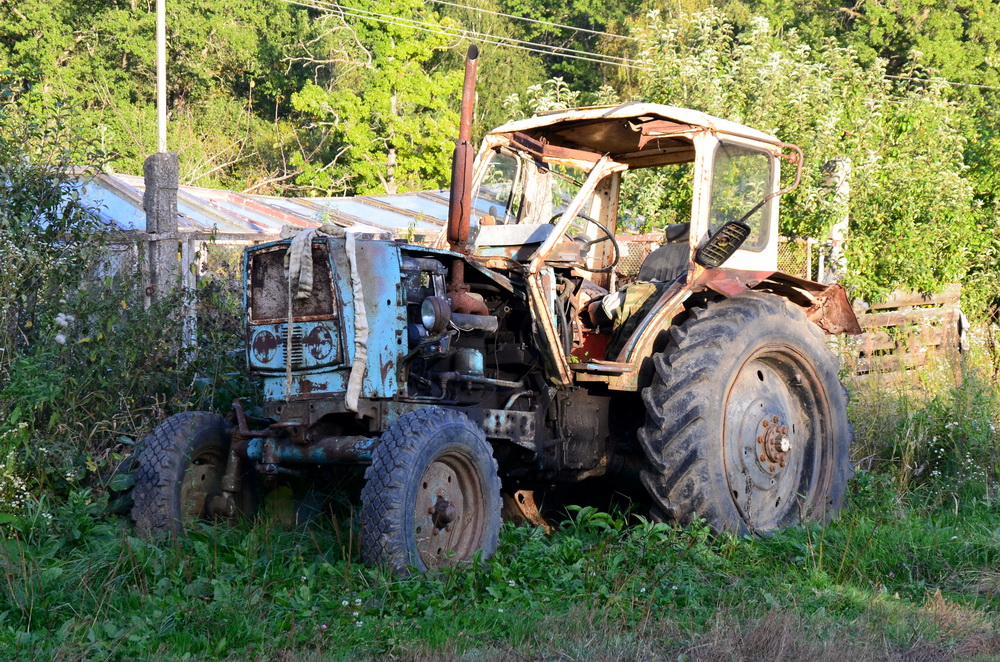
[(636, 133)]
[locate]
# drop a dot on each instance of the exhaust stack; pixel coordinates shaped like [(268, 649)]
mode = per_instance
[(460, 202)]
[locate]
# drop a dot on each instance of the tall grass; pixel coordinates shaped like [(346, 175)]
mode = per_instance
[(908, 572), (910, 569)]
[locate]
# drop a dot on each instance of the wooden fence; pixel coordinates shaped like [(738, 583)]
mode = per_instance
[(907, 330)]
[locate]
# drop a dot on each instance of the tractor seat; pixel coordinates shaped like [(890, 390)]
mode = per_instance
[(668, 262)]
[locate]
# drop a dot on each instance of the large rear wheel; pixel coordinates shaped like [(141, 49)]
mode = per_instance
[(746, 421), (432, 496)]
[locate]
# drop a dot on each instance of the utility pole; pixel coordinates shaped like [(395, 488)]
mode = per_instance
[(161, 75), (160, 172)]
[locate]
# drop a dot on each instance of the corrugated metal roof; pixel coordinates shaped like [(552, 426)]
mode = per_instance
[(118, 201)]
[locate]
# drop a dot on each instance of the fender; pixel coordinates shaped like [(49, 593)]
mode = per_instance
[(825, 305)]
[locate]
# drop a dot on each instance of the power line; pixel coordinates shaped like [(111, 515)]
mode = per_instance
[(942, 80), (482, 37), (471, 34), (530, 46), (534, 20)]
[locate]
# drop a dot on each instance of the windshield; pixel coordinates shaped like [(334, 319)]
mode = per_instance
[(741, 179), (496, 193), (519, 190)]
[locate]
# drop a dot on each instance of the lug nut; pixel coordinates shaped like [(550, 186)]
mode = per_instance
[(766, 424), (775, 419), (760, 440), (763, 458)]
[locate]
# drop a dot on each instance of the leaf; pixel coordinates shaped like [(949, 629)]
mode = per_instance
[(121, 481), (55, 572)]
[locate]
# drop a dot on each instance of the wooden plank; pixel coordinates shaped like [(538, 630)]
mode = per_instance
[(919, 316), (901, 299), (890, 363)]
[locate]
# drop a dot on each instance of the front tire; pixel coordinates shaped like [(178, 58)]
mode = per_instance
[(178, 474), (432, 496), (746, 421)]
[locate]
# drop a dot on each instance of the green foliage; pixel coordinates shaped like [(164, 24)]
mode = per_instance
[(939, 442), (85, 366), (44, 219), (911, 207), (910, 564), (553, 94), (399, 133), (591, 15), (605, 588)]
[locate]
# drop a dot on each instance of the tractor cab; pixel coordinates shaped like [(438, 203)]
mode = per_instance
[(550, 190)]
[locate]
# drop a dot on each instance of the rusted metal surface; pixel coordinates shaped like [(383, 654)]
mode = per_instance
[(553, 152), (520, 508), (460, 207), (449, 510), (659, 129), (267, 295), (833, 313), (728, 282), (350, 449), (242, 430), (826, 305), (462, 301)]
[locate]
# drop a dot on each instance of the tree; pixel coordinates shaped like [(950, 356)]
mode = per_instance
[(383, 112), (913, 220)]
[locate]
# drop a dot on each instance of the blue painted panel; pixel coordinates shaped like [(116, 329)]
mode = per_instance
[(320, 343), (310, 384), (379, 266)]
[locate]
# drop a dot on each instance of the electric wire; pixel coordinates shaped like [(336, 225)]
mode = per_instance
[(534, 47), (461, 32), (534, 20), (941, 80), (481, 37)]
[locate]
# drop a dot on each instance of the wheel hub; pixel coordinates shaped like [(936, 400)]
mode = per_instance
[(773, 443), (443, 513)]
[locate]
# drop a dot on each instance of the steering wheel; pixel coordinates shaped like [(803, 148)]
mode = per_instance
[(587, 244)]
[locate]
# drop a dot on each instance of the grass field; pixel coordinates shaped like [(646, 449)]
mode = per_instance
[(911, 571)]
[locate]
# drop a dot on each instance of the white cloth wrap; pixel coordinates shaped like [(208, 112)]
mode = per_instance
[(299, 271)]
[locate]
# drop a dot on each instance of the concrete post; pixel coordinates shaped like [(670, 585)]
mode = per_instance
[(836, 176), (160, 203)]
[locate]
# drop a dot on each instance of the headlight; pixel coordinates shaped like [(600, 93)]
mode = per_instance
[(434, 314)]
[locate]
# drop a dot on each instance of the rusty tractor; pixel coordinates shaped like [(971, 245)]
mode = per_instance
[(472, 378)]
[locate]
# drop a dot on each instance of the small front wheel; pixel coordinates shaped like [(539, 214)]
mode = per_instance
[(432, 496), (179, 471)]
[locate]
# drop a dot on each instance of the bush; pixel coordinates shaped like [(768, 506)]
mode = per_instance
[(85, 366)]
